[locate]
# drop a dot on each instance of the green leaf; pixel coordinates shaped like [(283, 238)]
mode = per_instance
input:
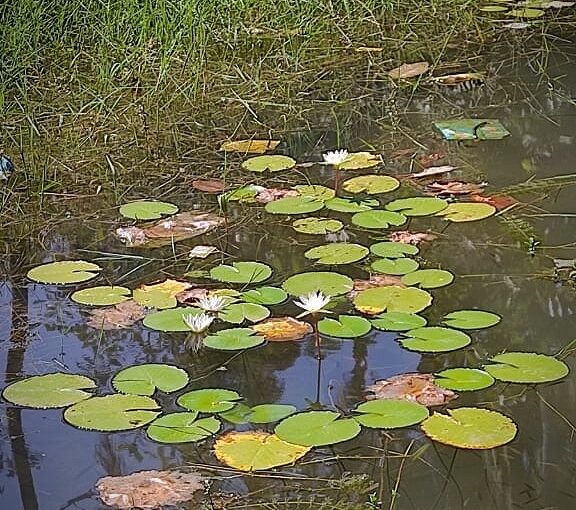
[(493, 8), (359, 160), (337, 253), (346, 205), (240, 194), (294, 205), (209, 400), (49, 390), (319, 226), (317, 428), (112, 412), (398, 321), (347, 326), (428, 278), (393, 250), (269, 413), (265, 296), (470, 427), (330, 284), (159, 295), (417, 206), (182, 428), (315, 191), (371, 184), (400, 266), (526, 367), (467, 211), (377, 218), (471, 319), (392, 299), (390, 414), (68, 271), (147, 378), (527, 13), (239, 414), (241, 272), (233, 339), (147, 210), (471, 129), (237, 313), (101, 296), (434, 339), (274, 163), (253, 451), (171, 319), (463, 379)]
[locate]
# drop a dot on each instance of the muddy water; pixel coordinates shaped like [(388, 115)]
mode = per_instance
[(47, 464)]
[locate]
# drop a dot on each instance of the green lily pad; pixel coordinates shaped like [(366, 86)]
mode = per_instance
[(526, 368), (245, 193), (148, 210), (346, 205), (270, 413), (527, 13), (265, 296), (101, 296), (182, 428), (393, 250), (112, 412), (428, 278), (147, 378), (239, 414), (171, 319), (241, 272), (359, 160), (392, 299), (209, 400), (371, 184), (319, 226), (347, 326), (471, 319), (159, 295), (68, 271), (398, 321), (294, 205), (337, 253), (317, 428), (330, 284), (434, 339), (390, 414), (315, 191), (237, 313), (233, 339), (400, 266), (461, 212), (417, 206), (377, 218), (470, 427), (274, 163), (463, 379), (471, 129), (49, 390)]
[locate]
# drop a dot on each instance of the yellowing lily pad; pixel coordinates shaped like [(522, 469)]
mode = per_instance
[(101, 296), (467, 211), (337, 253), (392, 299), (359, 160), (321, 226), (269, 163), (249, 146), (160, 295), (371, 184), (315, 191), (68, 271)]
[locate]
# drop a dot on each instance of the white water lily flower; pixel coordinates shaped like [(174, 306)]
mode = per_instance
[(199, 322), (335, 157), (312, 303), (211, 303)]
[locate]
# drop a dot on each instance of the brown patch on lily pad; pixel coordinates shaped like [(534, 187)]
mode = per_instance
[(375, 281), (415, 238), (120, 316), (282, 329)]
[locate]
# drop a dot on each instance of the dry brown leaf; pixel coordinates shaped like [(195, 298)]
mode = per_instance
[(375, 281), (455, 188), (433, 170), (120, 316), (415, 238), (192, 295), (282, 329), (271, 194), (498, 201), (250, 146), (414, 387), (455, 79), (209, 185), (409, 70), (148, 489)]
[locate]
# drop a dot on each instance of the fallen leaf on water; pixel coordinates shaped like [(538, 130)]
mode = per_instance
[(414, 387), (282, 329), (271, 194), (121, 316), (209, 185), (433, 170), (192, 295), (148, 489), (201, 251), (455, 79), (408, 70), (415, 238), (455, 188), (375, 281), (498, 201), (250, 146)]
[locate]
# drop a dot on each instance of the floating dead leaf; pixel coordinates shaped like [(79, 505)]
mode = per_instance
[(282, 329), (455, 79), (455, 188), (250, 146), (414, 387), (271, 194), (415, 238), (120, 316), (433, 170), (375, 281), (192, 295), (201, 251), (408, 70), (498, 201), (209, 185), (148, 489), (164, 232)]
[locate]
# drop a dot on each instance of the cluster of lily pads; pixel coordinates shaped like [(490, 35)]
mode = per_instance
[(524, 8), (247, 300)]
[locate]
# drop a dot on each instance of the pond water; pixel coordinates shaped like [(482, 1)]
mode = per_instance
[(48, 464)]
